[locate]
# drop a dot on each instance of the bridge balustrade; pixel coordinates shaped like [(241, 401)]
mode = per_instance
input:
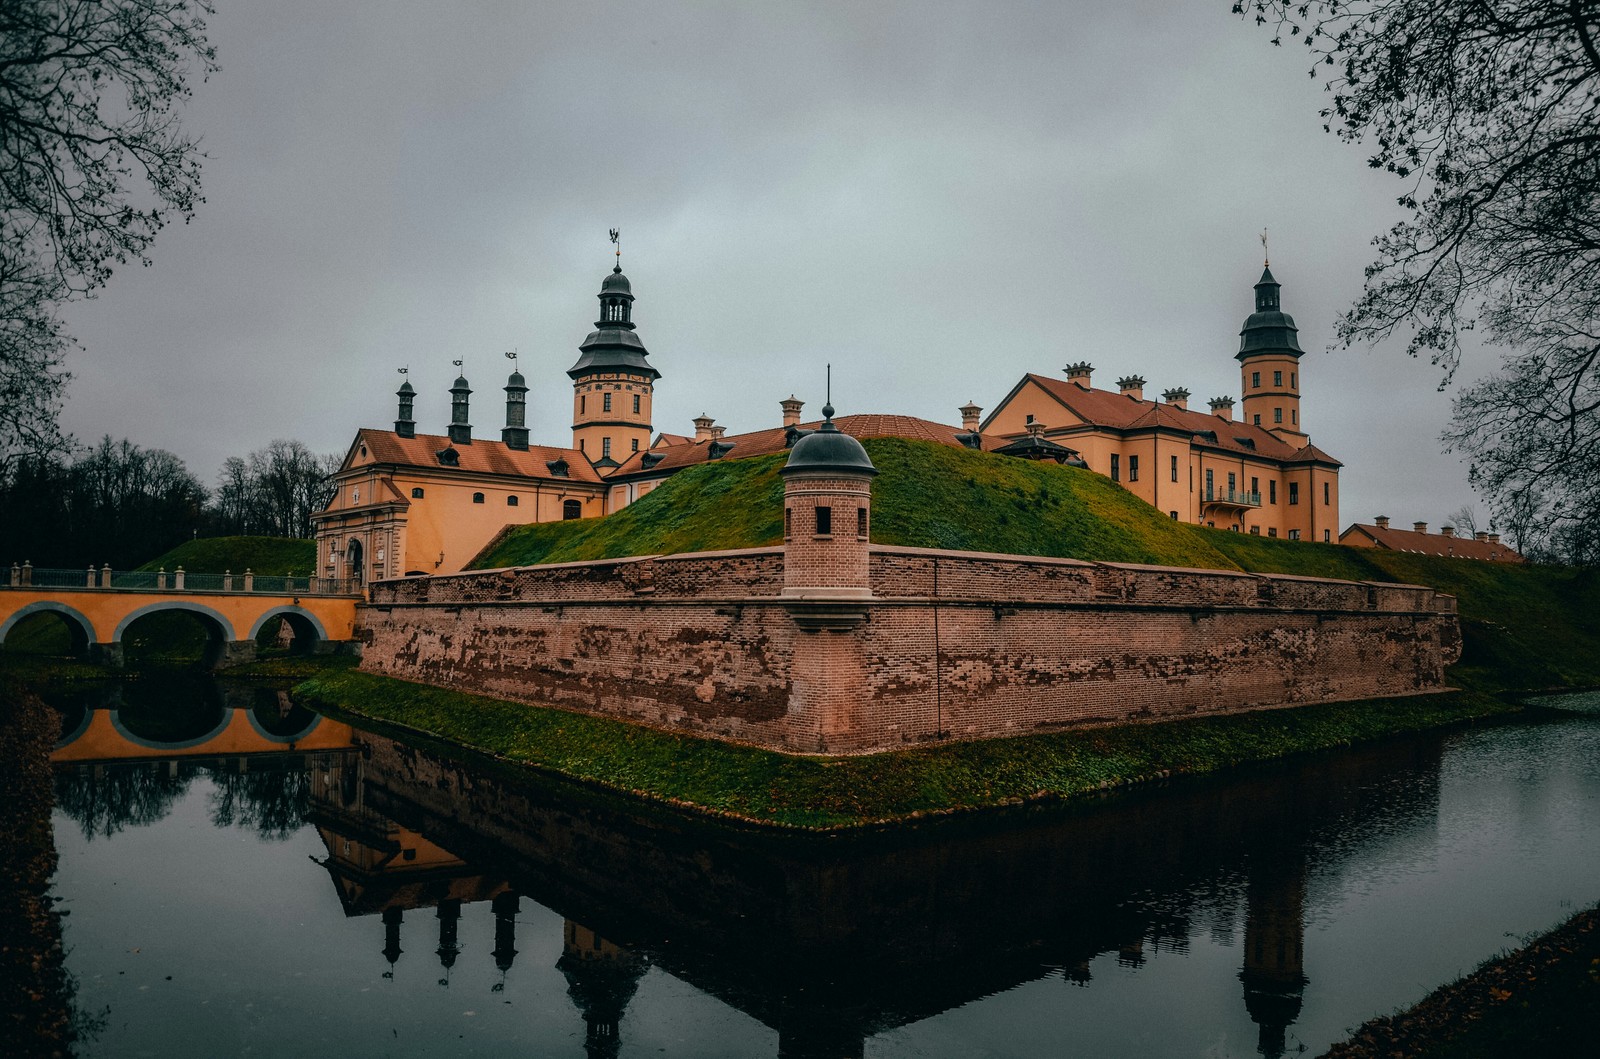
[(106, 579)]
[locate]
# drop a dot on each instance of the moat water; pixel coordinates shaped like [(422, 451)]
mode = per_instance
[(242, 877)]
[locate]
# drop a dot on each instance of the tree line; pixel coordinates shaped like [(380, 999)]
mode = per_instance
[(121, 504)]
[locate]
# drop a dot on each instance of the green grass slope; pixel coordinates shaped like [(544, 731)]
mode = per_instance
[(263, 555), (925, 496)]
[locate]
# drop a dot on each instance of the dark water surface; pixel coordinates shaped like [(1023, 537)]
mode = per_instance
[(246, 878)]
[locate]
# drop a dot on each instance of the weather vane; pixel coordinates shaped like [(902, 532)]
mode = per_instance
[(1266, 258), (511, 355), (616, 237), (405, 370), (457, 363)]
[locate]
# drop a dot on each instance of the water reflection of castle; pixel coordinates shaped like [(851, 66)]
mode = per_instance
[(834, 948), (381, 868)]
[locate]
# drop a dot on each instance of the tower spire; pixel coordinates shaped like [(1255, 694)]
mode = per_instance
[(616, 240)]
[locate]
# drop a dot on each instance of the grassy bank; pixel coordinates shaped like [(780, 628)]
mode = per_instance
[(760, 786), (1543, 999), (275, 556)]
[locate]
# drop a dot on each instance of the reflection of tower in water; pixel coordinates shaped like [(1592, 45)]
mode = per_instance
[(601, 979), (1274, 947)]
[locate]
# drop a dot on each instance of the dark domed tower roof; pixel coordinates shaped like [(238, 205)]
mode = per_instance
[(829, 450), (1269, 329), (613, 346)]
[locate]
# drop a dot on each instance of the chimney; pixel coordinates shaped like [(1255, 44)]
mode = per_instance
[(460, 429), (1447, 530), (1381, 521), (1132, 386), (1222, 408), (1419, 527), (1480, 536), (1177, 398), (1494, 538), (717, 432), (969, 417), (405, 425), (1036, 429), (1079, 373), (702, 427), (515, 434), (791, 410)]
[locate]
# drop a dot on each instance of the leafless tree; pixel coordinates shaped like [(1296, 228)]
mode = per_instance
[(1489, 111), (92, 164)]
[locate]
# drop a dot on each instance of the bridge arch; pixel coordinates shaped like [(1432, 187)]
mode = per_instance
[(218, 622), (223, 719), (82, 628), (308, 628)]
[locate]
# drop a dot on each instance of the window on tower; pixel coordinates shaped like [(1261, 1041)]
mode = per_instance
[(635, 444), (1174, 468), (605, 448), (605, 402), (1277, 415), (1255, 380), (1258, 419), (635, 404), (824, 520), (477, 498), (1277, 378)]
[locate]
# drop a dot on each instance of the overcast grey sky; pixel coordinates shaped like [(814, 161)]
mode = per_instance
[(935, 197)]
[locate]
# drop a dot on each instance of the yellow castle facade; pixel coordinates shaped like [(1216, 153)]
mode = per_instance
[(408, 504)]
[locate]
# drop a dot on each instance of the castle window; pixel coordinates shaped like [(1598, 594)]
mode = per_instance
[(1327, 535), (824, 520), (605, 402), (1133, 468), (1294, 416), (1116, 467), (635, 445), (1233, 484), (1272, 493), (635, 404), (1294, 380), (1277, 415), (861, 523), (1294, 535), (1255, 380), (580, 445), (1258, 419), (1255, 531), (1174, 515), (416, 493), (1174, 468), (1255, 489), (1294, 493), (1272, 531), (477, 498), (605, 448), (1211, 478), (1324, 492), (511, 501), (1028, 421), (788, 523), (1277, 378), (583, 405), (571, 509)]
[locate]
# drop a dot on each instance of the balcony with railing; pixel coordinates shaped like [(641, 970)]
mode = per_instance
[(27, 576), (1235, 498)]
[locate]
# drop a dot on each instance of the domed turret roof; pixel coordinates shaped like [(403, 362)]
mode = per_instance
[(405, 387), (1269, 329), (616, 283), (516, 379), (461, 383), (828, 449)]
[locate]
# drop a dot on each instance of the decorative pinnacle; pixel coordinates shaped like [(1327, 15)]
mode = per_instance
[(616, 239), (1266, 257)]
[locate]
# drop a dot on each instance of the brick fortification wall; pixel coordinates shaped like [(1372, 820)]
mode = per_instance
[(952, 644)]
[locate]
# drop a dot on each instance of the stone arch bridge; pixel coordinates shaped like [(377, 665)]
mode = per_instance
[(98, 607)]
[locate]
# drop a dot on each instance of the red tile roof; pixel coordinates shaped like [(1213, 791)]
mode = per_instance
[(1118, 411), (480, 457), (774, 439), (1434, 544)]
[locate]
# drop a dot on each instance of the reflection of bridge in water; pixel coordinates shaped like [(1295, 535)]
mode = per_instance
[(98, 608)]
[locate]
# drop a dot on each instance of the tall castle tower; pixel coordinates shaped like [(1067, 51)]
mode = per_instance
[(1269, 366), (612, 382)]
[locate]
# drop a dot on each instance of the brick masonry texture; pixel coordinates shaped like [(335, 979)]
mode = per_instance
[(953, 645)]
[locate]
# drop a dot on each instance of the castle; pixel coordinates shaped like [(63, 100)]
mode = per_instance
[(409, 504)]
